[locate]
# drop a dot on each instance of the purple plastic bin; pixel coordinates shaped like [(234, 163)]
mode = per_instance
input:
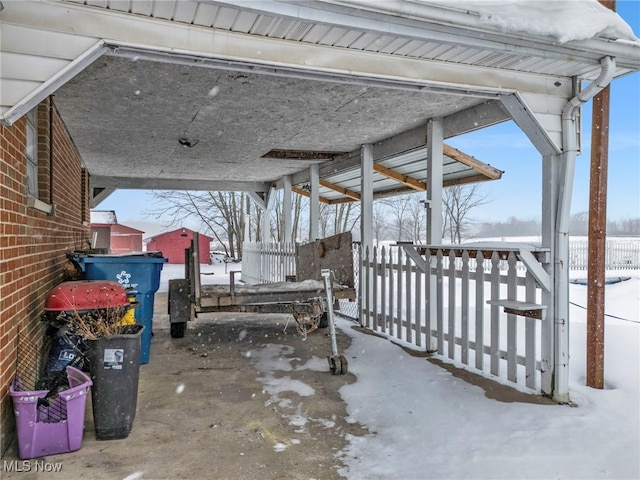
[(55, 429)]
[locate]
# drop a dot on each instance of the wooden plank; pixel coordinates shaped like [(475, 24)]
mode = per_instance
[(524, 309), (485, 170), (411, 182), (304, 193), (334, 253), (336, 188)]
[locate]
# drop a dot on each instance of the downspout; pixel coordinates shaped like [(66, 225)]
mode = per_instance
[(561, 317)]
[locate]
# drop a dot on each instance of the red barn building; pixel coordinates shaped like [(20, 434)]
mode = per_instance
[(173, 244), (116, 238)]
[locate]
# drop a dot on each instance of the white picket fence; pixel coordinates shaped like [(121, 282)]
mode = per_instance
[(268, 262), (273, 261), (620, 254)]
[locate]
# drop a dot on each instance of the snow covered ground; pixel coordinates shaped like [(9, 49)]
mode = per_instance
[(429, 424), (426, 423)]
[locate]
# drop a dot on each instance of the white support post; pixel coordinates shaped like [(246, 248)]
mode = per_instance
[(269, 199), (247, 228), (435, 140), (434, 181), (314, 202), (366, 226), (286, 209), (550, 182), (366, 197), (566, 168)]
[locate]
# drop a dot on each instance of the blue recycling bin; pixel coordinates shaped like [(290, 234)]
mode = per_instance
[(137, 272)]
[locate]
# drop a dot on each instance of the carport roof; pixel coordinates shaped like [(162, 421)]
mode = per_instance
[(202, 95)]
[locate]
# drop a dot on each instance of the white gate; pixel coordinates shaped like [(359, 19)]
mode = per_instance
[(480, 308)]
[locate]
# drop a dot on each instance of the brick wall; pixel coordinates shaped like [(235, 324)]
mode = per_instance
[(33, 244)]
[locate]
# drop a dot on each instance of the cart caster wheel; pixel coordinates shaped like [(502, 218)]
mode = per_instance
[(338, 365), (324, 321), (177, 329)]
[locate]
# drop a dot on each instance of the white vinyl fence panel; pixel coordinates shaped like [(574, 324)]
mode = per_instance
[(620, 254), (268, 262)]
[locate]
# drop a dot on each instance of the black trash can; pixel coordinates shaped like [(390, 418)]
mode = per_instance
[(114, 365)]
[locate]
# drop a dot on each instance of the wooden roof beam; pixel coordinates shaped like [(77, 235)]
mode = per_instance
[(400, 177), (336, 188), (487, 170), (304, 193)]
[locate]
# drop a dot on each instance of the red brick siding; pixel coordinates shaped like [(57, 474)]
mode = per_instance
[(33, 245)]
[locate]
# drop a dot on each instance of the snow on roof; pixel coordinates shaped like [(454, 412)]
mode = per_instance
[(561, 19), (103, 217)]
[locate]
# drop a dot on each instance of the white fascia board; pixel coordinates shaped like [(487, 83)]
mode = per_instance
[(35, 92), (170, 38), (99, 197)]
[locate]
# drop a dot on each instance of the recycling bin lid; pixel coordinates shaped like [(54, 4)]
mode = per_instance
[(86, 295), (130, 255)]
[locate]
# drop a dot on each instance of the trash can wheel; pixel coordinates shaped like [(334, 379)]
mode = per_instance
[(177, 329)]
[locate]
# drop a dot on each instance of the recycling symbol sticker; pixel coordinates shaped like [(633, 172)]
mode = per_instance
[(124, 279)]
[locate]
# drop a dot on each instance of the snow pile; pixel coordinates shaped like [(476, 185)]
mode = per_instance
[(561, 19)]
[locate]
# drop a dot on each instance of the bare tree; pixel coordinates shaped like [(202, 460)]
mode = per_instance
[(277, 217), (406, 217), (347, 216), (579, 223), (222, 214), (380, 223), (457, 203), (338, 218)]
